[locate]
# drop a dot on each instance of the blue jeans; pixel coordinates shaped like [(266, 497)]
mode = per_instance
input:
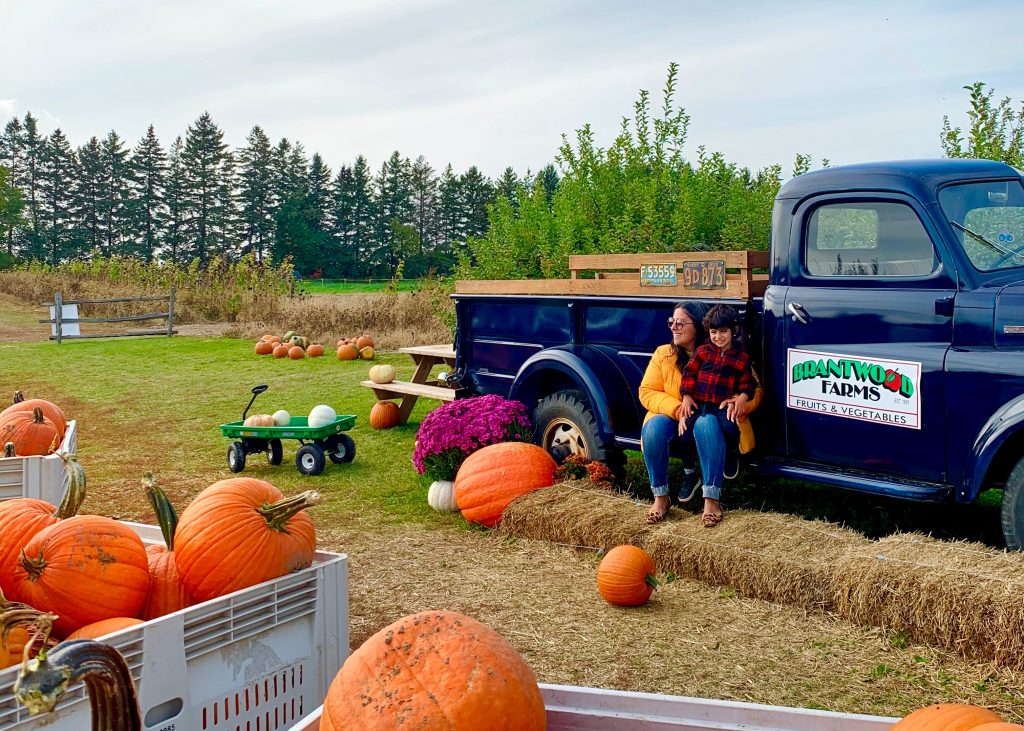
[(710, 431)]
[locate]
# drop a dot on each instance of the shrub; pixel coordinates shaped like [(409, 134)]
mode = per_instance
[(452, 432)]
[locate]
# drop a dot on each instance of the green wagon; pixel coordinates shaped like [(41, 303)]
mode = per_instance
[(318, 443)]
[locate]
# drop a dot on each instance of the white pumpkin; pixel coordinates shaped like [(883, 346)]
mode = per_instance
[(321, 415), (384, 373), (441, 496), (282, 417)]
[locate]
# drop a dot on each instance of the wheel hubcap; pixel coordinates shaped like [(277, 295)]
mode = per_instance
[(307, 461), (563, 434)]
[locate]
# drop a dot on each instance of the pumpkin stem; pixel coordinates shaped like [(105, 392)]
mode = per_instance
[(44, 679), (37, 415), (10, 450), (18, 397), (652, 582), (74, 496), (278, 514), (166, 517), (33, 566)]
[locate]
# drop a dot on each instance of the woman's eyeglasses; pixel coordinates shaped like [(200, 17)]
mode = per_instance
[(678, 323)]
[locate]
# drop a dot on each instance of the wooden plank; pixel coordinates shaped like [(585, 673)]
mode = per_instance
[(397, 389), (512, 286), (126, 318), (161, 331), (444, 350), (733, 259), (164, 298)]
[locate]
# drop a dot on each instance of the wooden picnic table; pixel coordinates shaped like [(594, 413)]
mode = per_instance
[(425, 357)]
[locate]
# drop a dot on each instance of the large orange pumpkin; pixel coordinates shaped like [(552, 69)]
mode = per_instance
[(347, 352), (166, 592), (83, 569), (946, 717), (363, 341), (30, 432), (50, 410), (625, 576), (280, 351), (315, 350), (264, 347), (384, 415), (21, 518), (12, 647), (999, 726), (240, 532), (434, 670), (103, 628), (492, 477)]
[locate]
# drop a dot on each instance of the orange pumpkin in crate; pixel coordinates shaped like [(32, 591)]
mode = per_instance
[(29, 431), (492, 477), (625, 576), (103, 628), (384, 415), (432, 670), (50, 410)]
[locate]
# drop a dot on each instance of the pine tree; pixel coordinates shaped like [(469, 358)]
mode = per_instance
[(317, 210), (292, 234), (207, 201), (58, 172), (33, 145), (89, 197), (11, 206), (450, 232), (549, 180), (12, 158), (394, 212), (364, 214), (176, 232), (256, 194), (115, 221), (477, 194), (423, 183), (148, 167), (507, 186), (340, 260)]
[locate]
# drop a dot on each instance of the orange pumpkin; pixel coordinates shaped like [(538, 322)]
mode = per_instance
[(280, 351), (12, 648), (384, 415), (166, 592), (239, 532), (296, 352), (492, 477), (625, 576), (946, 717), (21, 518), (434, 670), (103, 628), (29, 431), (264, 347), (347, 352), (50, 410), (998, 726), (363, 341), (83, 556), (315, 350)]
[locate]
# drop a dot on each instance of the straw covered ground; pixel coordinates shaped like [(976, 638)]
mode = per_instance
[(961, 597)]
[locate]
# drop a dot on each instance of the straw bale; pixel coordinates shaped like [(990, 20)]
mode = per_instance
[(961, 596)]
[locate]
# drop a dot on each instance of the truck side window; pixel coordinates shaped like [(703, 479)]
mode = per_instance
[(867, 239)]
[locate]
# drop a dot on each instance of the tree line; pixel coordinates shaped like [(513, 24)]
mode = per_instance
[(198, 200)]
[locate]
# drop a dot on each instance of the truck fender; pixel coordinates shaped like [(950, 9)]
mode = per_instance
[(529, 383), (1001, 426)]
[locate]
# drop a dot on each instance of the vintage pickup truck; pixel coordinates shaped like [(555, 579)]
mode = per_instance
[(888, 333)]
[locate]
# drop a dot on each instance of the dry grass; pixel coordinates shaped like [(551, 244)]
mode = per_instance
[(961, 597)]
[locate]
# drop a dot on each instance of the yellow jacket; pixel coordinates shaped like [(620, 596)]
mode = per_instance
[(659, 393)]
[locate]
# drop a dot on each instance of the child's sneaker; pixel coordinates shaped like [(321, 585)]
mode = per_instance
[(732, 464), (691, 483)]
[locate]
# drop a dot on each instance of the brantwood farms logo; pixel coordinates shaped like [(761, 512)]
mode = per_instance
[(858, 377)]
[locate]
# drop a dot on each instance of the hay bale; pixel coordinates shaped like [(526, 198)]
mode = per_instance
[(960, 596)]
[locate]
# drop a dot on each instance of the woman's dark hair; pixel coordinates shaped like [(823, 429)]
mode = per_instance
[(697, 311)]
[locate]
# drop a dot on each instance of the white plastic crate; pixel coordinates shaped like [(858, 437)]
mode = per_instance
[(39, 477), (258, 659), (571, 708)]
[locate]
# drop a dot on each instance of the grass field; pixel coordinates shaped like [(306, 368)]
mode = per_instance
[(333, 286), (155, 404)]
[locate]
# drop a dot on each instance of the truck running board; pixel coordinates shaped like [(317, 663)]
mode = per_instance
[(895, 487)]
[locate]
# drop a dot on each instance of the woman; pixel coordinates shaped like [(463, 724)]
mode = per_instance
[(659, 394)]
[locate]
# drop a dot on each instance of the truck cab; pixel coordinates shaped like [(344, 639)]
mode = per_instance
[(889, 337)]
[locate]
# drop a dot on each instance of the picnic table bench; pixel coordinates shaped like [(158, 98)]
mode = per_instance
[(425, 357)]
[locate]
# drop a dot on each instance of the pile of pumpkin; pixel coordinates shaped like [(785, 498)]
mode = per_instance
[(96, 575), (352, 348), (31, 427), (290, 345)]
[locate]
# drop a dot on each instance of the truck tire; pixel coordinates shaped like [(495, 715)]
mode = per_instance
[(1013, 508), (565, 424)]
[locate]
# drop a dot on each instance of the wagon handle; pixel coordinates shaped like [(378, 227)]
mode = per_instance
[(256, 391)]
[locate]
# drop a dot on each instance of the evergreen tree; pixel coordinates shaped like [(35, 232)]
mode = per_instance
[(548, 177), (477, 195), (394, 211), (317, 210), (256, 194), (33, 144), (148, 167), (340, 261), (175, 236), (115, 219), (293, 236), (450, 229), (89, 197), (423, 183), (12, 158), (207, 200), (507, 186), (58, 173), (11, 206)]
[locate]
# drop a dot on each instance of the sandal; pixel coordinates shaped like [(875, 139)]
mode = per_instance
[(656, 516), (710, 520)]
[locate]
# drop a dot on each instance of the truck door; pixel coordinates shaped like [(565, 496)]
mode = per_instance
[(868, 323)]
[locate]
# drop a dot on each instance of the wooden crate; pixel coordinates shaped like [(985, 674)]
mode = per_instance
[(619, 274)]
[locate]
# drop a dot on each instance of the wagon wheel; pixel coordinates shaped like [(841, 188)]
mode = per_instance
[(310, 459), (275, 452), (236, 457), (341, 448)]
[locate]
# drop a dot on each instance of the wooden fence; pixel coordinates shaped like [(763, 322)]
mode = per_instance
[(59, 321)]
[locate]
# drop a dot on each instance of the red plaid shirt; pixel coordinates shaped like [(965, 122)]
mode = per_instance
[(713, 375)]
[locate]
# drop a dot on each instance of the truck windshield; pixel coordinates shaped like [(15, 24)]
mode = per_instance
[(988, 218)]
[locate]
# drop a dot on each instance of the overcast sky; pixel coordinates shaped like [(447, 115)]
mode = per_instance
[(497, 83)]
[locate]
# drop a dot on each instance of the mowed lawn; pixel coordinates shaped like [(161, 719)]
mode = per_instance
[(154, 404)]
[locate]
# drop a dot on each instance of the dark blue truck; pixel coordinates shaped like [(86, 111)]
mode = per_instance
[(888, 334)]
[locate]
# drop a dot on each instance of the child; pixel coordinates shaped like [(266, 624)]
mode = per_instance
[(718, 371)]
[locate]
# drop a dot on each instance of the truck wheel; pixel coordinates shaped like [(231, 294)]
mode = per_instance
[(565, 425), (1013, 509), (310, 459)]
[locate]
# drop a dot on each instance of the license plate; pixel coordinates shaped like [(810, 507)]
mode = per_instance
[(658, 275), (704, 274)]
